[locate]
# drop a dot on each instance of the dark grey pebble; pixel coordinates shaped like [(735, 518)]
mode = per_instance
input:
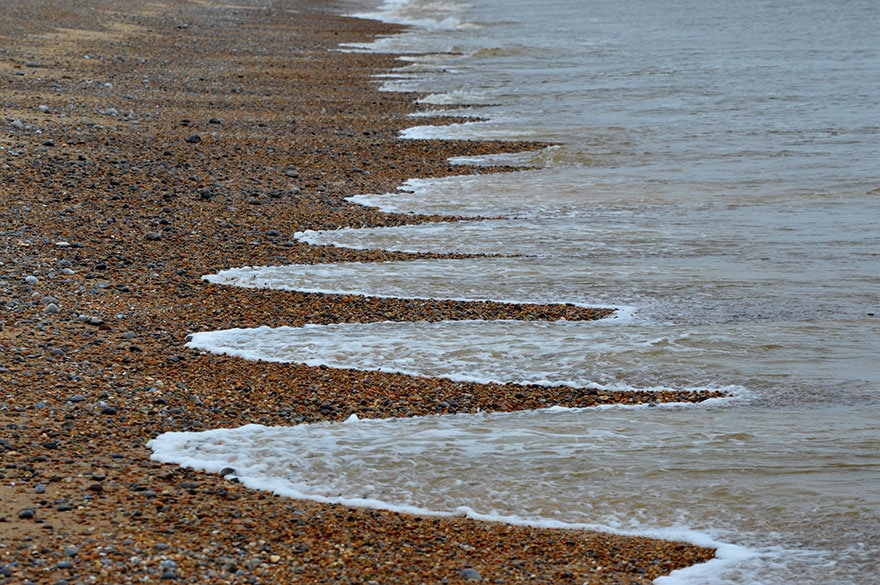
[(65, 565), (227, 471), (26, 514), (96, 487), (71, 551), (108, 410), (153, 236), (76, 398), (40, 488), (65, 507), (149, 493), (193, 139), (215, 121), (5, 571)]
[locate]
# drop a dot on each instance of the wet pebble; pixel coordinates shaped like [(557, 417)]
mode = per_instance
[(26, 514)]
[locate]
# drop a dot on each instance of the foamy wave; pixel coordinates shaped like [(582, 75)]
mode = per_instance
[(309, 462)]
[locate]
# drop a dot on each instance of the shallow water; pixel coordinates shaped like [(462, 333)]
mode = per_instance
[(715, 181)]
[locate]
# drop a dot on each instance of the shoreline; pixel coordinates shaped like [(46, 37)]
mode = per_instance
[(143, 145)]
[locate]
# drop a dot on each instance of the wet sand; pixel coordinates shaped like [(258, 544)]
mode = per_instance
[(142, 145)]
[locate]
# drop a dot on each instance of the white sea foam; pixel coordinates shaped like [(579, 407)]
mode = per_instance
[(555, 468), (471, 279)]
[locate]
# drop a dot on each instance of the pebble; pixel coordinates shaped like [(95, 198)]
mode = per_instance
[(31, 280), (470, 574), (44, 108), (76, 398), (65, 565), (71, 551), (40, 488), (26, 514), (51, 309), (17, 124), (193, 139)]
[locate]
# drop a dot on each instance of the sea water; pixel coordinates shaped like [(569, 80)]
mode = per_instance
[(714, 178)]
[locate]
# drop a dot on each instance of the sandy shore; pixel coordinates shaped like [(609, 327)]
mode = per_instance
[(142, 145)]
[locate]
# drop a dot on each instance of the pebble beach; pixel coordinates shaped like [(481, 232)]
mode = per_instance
[(144, 145)]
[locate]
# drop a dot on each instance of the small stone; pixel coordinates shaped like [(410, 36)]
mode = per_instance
[(51, 309), (95, 321), (149, 494), (153, 236), (26, 514), (45, 109), (65, 565), (215, 121), (108, 410), (76, 398), (71, 551), (17, 124), (470, 574), (40, 488), (111, 112), (96, 487), (193, 139), (31, 280)]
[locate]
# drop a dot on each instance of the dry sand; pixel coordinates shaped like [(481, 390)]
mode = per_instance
[(142, 145)]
